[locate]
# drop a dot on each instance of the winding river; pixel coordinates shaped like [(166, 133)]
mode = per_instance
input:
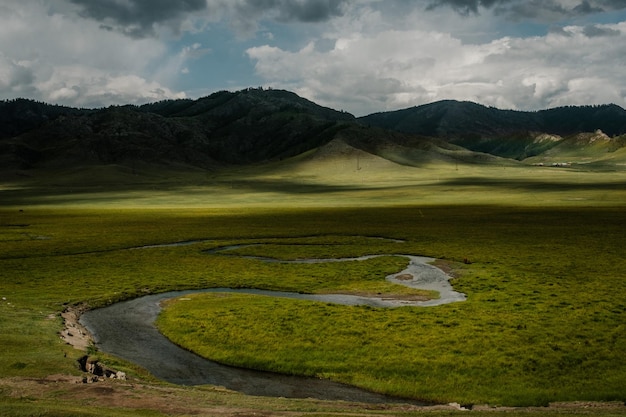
[(127, 330)]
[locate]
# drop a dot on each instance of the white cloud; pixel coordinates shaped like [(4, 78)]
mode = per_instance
[(361, 56), (62, 59), (194, 51), (392, 69), (89, 87)]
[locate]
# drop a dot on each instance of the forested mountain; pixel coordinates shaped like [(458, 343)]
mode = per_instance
[(455, 119), (257, 125), (21, 115), (251, 125), (507, 133)]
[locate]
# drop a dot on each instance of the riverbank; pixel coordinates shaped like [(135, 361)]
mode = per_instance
[(74, 333), (518, 290), (420, 273), (127, 330)]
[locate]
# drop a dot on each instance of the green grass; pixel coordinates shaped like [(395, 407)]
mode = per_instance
[(30, 408), (544, 319), (543, 315), (459, 353), (327, 182)]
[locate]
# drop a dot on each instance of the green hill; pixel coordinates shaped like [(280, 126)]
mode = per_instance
[(225, 128), (135, 144), (586, 149), (506, 133)]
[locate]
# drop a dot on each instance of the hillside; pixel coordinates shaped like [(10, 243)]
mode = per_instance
[(592, 149), (506, 133), (414, 150), (22, 115), (224, 128), (357, 148), (257, 126)]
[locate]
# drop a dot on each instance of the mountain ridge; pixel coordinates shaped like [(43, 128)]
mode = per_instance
[(507, 133), (224, 128), (258, 125), (610, 118)]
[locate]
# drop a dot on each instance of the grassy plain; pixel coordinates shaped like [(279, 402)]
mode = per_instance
[(543, 314), (544, 319)]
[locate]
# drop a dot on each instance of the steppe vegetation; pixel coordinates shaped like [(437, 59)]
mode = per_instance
[(543, 322), (542, 314)]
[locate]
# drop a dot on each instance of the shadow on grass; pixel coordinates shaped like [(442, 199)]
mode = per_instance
[(89, 194), (215, 190), (531, 185)]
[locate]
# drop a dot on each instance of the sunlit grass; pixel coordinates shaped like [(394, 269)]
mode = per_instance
[(544, 319), (333, 183), (543, 288), (543, 315)]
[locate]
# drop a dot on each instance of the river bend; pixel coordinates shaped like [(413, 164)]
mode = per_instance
[(127, 330)]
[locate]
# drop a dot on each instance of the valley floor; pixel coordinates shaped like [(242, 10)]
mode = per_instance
[(64, 395)]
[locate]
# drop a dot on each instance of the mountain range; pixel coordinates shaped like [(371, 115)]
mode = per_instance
[(254, 126), (506, 133)]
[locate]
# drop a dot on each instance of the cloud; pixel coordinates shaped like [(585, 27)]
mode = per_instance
[(538, 10), (358, 55), (15, 78), (300, 11), (138, 18), (74, 62), (148, 18), (585, 7), (73, 86), (607, 5), (144, 18), (465, 7), (394, 69), (602, 31), (245, 15), (194, 51), (542, 10)]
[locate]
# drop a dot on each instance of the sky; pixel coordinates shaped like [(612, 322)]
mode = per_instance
[(360, 56)]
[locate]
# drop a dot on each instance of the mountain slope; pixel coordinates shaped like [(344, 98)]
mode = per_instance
[(595, 149), (411, 150), (22, 115), (507, 133), (358, 151), (225, 128), (255, 126)]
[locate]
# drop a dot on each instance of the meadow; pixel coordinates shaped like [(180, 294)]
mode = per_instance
[(543, 314), (543, 322)]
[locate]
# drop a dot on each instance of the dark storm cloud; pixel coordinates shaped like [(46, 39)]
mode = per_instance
[(138, 17), (613, 4), (465, 7), (592, 31), (543, 10), (587, 8), (289, 10), (552, 10)]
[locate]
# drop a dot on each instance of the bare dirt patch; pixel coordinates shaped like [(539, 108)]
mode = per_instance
[(73, 332), (208, 401), (172, 400)]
